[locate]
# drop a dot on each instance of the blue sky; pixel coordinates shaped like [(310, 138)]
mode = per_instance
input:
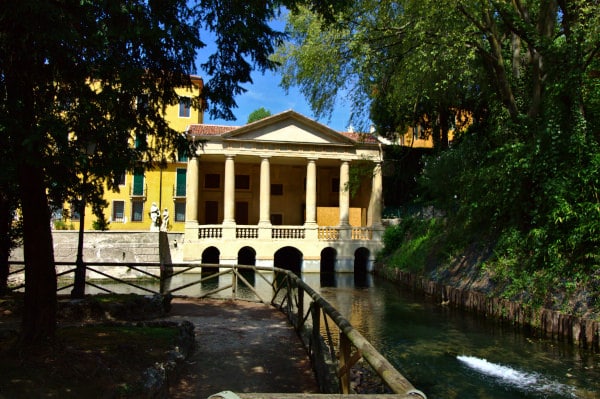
[(265, 92)]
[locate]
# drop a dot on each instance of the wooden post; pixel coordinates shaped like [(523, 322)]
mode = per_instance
[(300, 307), (234, 278), (344, 363)]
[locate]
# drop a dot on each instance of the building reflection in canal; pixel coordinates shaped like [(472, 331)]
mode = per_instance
[(445, 352)]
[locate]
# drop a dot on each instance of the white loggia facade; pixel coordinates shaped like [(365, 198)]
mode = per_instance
[(275, 193)]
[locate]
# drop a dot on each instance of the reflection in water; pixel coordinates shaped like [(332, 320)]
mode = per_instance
[(425, 341), (442, 351)]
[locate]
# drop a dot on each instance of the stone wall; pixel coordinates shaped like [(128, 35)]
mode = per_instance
[(581, 331), (115, 246)]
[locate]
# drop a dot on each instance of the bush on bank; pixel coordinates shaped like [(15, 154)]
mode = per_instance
[(427, 247)]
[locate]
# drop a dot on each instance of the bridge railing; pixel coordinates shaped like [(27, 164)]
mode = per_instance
[(333, 345)]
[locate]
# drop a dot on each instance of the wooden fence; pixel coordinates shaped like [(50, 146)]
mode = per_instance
[(333, 345)]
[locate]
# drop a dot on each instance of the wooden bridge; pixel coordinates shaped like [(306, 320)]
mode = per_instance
[(332, 344)]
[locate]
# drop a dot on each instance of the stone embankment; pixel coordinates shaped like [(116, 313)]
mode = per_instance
[(580, 331)]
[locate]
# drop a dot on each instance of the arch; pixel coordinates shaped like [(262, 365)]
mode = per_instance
[(211, 256), (361, 267), (289, 258), (247, 256), (327, 267)]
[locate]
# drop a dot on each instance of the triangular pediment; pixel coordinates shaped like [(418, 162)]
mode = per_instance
[(289, 127)]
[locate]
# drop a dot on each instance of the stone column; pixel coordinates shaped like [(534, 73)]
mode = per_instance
[(376, 197), (229, 192), (191, 190), (344, 194), (265, 192), (311, 192)]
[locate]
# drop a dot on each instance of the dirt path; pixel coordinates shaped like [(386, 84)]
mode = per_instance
[(241, 347)]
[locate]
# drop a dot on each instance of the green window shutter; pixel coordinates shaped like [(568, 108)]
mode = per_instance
[(181, 180), (138, 183)]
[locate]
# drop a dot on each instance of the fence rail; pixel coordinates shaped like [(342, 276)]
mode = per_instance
[(333, 345)]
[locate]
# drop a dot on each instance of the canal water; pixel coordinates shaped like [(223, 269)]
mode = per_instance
[(448, 353)]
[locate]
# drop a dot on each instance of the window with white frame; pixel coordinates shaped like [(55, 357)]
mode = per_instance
[(185, 105), (180, 211), (137, 211), (118, 211)]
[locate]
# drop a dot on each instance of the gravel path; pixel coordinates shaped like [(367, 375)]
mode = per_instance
[(241, 347)]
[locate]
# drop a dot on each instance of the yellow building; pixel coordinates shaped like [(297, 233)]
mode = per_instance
[(129, 209)]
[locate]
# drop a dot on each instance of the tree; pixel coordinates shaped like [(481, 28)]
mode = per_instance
[(525, 174), (258, 114), (71, 76), (401, 60)]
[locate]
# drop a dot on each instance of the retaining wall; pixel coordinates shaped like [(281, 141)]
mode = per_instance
[(115, 246), (549, 323)]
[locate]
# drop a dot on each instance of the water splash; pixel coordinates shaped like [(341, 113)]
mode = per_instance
[(519, 379)]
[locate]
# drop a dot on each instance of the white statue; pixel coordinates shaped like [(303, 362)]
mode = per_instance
[(165, 220), (154, 215)]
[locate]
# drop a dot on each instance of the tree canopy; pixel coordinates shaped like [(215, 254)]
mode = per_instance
[(258, 114), (525, 74), (81, 81)]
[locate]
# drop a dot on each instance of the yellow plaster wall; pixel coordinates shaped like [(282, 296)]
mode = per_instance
[(159, 191)]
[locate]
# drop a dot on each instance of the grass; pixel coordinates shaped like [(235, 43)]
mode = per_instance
[(86, 361)]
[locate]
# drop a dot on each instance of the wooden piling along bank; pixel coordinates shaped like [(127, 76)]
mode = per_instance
[(579, 331)]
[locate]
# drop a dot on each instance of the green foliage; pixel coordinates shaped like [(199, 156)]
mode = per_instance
[(359, 170), (526, 173), (60, 224), (413, 244), (258, 114), (101, 224)]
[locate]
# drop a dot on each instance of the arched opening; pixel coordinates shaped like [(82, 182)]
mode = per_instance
[(289, 258), (328, 260), (361, 267), (247, 257), (210, 256)]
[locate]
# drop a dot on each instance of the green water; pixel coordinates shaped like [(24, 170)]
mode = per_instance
[(450, 354), (445, 352)]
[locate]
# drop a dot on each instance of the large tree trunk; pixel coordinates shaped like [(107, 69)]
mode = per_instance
[(39, 312), (4, 242)]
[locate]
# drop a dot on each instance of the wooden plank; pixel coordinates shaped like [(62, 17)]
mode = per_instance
[(321, 396)]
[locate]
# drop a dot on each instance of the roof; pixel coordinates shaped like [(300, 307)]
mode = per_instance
[(202, 129), (207, 130)]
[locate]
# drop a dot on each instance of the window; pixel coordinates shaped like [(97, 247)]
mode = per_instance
[(276, 219), (180, 183), (182, 154), (180, 211), (335, 185), (185, 104), (212, 180), (142, 103), (211, 212), (137, 211), (137, 188), (120, 180), (118, 212), (277, 189), (141, 141), (242, 182), (75, 211)]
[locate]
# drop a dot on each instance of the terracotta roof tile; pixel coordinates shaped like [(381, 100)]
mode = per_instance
[(360, 137), (209, 130)]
